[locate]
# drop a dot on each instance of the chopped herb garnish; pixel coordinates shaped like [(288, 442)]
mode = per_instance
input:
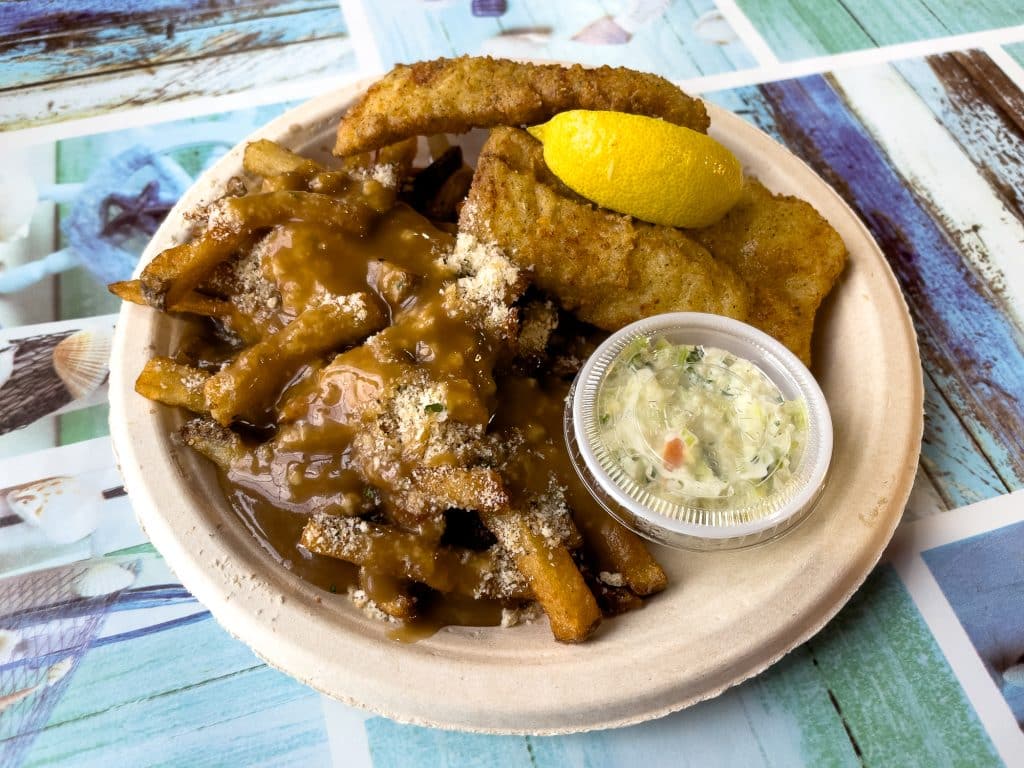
[(434, 407), (334, 589), (695, 355)]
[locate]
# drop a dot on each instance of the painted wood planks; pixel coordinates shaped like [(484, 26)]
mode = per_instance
[(873, 688), (29, 62), (178, 692), (895, 690), (796, 29), (230, 73), (129, 53)]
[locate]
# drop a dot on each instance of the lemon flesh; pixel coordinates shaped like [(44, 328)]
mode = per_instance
[(642, 166)]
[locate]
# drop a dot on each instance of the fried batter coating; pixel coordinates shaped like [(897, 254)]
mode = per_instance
[(455, 95), (788, 255), (608, 268)]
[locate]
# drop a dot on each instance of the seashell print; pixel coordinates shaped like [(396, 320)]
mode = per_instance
[(59, 506), (9, 640), (713, 28), (82, 360), (603, 31), (1014, 676), (103, 579), (59, 671)]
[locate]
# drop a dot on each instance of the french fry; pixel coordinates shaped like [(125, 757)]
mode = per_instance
[(406, 555), (248, 385), (556, 582), (389, 593), (173, 273), (401, 154), (267, 158), (616, 548), (195, 303), (171, 383), (219, 444), (474, 488)]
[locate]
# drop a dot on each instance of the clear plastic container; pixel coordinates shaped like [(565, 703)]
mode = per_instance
[(694, 521)]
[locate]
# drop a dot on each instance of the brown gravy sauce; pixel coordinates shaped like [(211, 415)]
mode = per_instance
[(306, 467)]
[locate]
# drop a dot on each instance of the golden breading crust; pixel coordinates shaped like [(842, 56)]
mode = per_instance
[(455, 95), (789, 256), (607, 268)]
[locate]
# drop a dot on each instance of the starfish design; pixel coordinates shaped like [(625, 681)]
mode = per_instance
[(143, 211)]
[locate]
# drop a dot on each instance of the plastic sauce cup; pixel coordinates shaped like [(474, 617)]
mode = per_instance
[(693, 522)]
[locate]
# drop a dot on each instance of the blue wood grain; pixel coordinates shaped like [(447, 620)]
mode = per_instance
[(796, 29), (950, 457), (393, 745), (782, 718), (191, 695), (113, 48), (27, 19), (984, 114)]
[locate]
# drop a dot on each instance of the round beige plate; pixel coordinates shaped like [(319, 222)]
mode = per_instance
[(725, 616)]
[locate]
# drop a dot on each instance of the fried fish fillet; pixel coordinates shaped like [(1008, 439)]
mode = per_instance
[(788, 255), (455, 95), (608, 268)]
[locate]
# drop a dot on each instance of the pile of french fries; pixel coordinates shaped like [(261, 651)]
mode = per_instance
[(403, 537)]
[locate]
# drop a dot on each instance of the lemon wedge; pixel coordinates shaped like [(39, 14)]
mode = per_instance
[(642, 166)]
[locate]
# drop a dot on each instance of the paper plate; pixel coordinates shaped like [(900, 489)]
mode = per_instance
[(726, 615)]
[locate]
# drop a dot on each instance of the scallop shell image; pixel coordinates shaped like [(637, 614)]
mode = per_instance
[(82, 360), (103, 579), (59, 671)]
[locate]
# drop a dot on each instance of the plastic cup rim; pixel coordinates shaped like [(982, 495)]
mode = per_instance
[(748, 338)]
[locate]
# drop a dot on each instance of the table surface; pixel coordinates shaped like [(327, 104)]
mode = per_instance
[(912, 109)]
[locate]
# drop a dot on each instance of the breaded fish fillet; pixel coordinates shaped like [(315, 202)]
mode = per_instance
[(788, 255), (455, 95), (608, 268)]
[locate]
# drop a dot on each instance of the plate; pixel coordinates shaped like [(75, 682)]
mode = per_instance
[(726, 615)]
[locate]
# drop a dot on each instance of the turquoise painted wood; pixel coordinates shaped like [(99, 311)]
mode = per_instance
[(536, 28), (950, 456), (157, 666), (796, 29), (78, 53), (799, 29), (191, 695), (894, 688), (873, 686), (1016, 51), (782, 718)]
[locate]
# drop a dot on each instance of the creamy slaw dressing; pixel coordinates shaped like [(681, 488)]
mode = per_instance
[(689, 422)]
